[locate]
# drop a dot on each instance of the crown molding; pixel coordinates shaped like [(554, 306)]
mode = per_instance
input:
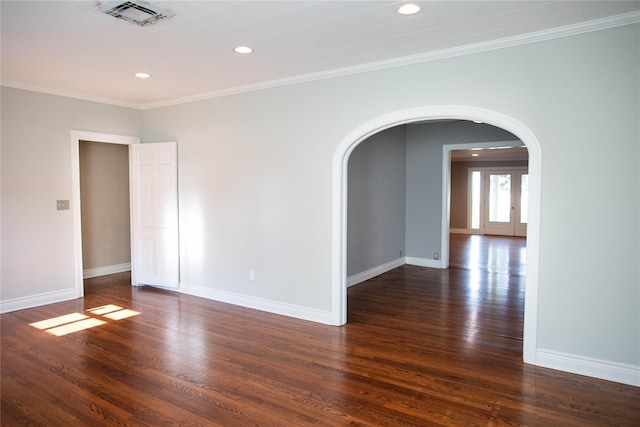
[(538, 36), (69, 94), (534, 37)]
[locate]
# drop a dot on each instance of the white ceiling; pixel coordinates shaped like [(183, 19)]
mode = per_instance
[(69, 48)]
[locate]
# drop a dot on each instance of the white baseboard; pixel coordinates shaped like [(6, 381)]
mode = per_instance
[(424, 262), (463, 231), (284, 309), (37, 300), (103, 271), (596, 368), (375, 271)]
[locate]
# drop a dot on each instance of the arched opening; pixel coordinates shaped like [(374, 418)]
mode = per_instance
[(339, 205)]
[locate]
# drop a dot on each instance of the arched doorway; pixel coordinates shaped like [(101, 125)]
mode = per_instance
[(339, 203)]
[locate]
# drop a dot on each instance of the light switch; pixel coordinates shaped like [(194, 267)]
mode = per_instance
[(62, 205)]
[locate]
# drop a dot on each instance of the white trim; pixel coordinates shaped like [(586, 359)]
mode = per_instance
[(426, 262), (590, 367), (534, 37), (103, 271), (37, 300), (375, 271), (446, 205), (261, 304), (76, 214), (339, 203)]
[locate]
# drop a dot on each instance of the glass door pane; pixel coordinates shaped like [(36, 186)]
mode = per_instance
[(500, 198), (476, 197)]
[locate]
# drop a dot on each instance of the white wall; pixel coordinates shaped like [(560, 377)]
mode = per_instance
[(37, 240), (376, 201), (255, 175), (254, 183), (255, 179)]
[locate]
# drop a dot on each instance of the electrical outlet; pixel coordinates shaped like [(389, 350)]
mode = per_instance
[(436, 255), (62, 205), (252, 275)]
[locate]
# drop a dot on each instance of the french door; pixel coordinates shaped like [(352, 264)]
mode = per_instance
[(499, 201), (506, 202)]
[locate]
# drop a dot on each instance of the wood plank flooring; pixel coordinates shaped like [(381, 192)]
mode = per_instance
[(422, 347)]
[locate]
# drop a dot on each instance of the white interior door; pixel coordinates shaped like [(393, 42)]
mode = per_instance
[(154, 214)]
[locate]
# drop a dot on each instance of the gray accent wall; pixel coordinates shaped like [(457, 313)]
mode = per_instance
[(425, 143), (395, 190), (255, 179), (376, 201)]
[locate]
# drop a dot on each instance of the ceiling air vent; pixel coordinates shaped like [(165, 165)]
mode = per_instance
[(138, 12)]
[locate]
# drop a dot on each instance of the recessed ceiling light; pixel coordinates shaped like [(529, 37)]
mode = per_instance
[(409, 9), (142, 75), (475, 155), (243, 49)]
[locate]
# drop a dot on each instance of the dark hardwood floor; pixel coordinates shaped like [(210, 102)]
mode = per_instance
[(493, 254), (422, 347)]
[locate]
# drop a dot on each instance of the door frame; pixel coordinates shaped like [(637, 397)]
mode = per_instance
[(442, 112), (76, 214)]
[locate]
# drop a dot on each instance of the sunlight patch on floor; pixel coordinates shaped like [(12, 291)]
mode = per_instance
[(74, 322), (113, 312), (104, 309), (121, 314), (75, 326), (60, 320)]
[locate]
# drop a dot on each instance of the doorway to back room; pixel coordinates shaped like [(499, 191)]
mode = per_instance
[(489, 190), (105, 211)]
